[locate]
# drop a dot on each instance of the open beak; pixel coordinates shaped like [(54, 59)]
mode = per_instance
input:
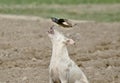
[(51, 30)]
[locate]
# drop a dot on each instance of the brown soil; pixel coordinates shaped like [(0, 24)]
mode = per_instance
[(25, 50)]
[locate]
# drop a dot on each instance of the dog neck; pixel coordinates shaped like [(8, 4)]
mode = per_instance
[(59, 51)]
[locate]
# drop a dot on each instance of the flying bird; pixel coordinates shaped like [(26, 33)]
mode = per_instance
[(62, 22)]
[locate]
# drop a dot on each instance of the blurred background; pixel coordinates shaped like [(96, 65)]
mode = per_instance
[(98, 10), (25, 49)]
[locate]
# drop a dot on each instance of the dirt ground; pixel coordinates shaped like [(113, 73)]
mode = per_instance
[(25, 50)]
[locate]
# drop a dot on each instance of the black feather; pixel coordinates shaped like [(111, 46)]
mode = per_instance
[(55, 19), (61, 21)]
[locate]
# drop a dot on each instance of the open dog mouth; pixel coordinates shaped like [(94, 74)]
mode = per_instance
[(51, 30)]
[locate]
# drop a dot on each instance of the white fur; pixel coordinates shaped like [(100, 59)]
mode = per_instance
[(62, 69)]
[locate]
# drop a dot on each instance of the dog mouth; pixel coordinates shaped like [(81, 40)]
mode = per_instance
[(51, 30)]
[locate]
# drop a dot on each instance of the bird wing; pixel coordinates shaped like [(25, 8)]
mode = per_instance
[(67, 23)]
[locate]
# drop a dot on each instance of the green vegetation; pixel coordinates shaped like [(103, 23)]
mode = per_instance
[(22, 2), (69, 9)]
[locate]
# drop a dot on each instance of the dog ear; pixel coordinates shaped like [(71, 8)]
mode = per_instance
[(69, 41)]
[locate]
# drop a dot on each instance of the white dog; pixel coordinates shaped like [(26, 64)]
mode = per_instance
[(62, 68)]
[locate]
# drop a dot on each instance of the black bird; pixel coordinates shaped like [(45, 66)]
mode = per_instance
[(62, 22)]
